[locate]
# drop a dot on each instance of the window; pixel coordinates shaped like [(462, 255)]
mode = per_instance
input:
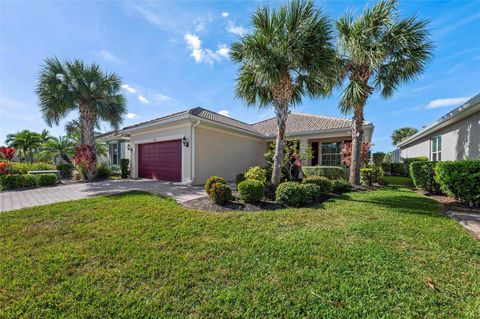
[(332, 154), (436, 148), (114, 153)]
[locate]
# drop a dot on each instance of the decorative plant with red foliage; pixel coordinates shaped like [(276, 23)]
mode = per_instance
[(347, 153), (85, 159), (7, 153)]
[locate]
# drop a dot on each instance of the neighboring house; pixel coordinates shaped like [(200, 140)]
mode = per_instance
[(454, 137), (192, 145)]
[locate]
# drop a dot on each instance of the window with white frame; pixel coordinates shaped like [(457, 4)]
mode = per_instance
[(436, 148), (331, 154)]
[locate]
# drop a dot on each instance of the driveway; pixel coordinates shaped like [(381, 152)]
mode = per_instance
[(11, 200)]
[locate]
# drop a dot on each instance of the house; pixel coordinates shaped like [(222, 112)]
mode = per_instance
[(192, 145), (454, 137)]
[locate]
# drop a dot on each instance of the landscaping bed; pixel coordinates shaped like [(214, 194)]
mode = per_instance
[(206, 204)]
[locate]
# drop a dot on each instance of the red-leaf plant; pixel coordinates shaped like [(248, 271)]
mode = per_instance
[(7, 153), (85, 158), (364, 154)]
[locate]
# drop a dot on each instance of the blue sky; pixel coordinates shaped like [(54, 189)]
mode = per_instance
[(174, 55)]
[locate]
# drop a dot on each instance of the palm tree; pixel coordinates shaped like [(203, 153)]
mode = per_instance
[(378, 51), (26, 141), (288, 55), (63, 147), (72, 127), (72, 85)]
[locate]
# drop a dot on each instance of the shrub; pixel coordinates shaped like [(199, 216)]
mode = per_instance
[(47, 179), (251, 190), (394, 169), (220, 193), (18, 181), (124, 165), (323, 183), (115, 169), (408, 161), (460, 179), (24, 168), (213, 180), (291, 194), (423, 176), (370, 175), (340, 186), (378, 158), (66, 170), (331, 172), (240, 177), (256, 173), (103, 171), (314, 193)]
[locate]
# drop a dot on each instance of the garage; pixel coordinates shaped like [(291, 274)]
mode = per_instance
[(160, 160)]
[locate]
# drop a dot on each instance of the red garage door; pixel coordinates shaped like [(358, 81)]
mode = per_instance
[(161, 160)]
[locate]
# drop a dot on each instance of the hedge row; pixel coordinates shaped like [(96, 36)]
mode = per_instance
[(24, 167), (423, 176), (27, 181), (330, 172)]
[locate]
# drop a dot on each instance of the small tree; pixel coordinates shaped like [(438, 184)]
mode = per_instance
[(378, 158), (402, 134), (293, 158), (364, 154)]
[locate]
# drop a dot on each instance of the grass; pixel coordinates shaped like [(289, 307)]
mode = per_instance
[(398, 180), (388, 253)]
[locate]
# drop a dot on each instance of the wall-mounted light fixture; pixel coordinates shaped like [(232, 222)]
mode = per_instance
[(128, 147), (185, 142)]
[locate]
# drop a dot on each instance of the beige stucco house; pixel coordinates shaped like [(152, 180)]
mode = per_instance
[(192, 145), (454, 137)]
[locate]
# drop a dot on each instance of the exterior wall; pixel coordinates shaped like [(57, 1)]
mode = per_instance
[(460, 140), (224, 153), (172, 132)]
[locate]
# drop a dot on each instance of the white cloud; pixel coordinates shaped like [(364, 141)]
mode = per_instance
[(199, 26), (143, 99), (434, 104), (162, 97), (224, 113), (225, 14), (109, 56), (194, 44), (131, 116), (128, 88), (236, 29)]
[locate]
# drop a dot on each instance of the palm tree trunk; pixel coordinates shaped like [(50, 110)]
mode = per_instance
[(281, 111), (357, 138), (87, 135)]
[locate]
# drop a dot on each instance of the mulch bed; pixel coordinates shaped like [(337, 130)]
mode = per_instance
[(450, 203), (206, 204)]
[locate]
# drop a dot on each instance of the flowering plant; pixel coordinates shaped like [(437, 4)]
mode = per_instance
[(7, 153), (85, 159)]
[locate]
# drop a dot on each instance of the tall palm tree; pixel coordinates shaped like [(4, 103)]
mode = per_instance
[(379, 51), (26, 141), (72, 85), (62, 146), (288, 55)]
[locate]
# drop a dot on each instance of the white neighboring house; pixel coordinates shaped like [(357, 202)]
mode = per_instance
[(454, 137), (192, 145)]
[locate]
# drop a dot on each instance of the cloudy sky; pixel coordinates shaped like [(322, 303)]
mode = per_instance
[(174, 56)]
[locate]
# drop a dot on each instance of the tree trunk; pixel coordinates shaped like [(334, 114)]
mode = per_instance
[(87, 135), (281, 111), (357, 138)]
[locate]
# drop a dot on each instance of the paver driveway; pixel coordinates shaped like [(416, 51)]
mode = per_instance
[(10, 200)]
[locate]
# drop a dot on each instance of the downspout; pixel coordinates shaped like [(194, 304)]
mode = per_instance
[(192, 134)]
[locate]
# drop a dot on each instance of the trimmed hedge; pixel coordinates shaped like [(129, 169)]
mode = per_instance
[(325, 185), (240, 177), (409, 161), (330, 172), (66, 170), (103, 171), (394, 169), (251, 191), (220, 193), (47, 179), (423, 176), (460, 179), (314, 193), (124, 165), (256, 173), (370, 175), (18, 181), (24, 167), (213, 180), (291, 194), (340, 186)]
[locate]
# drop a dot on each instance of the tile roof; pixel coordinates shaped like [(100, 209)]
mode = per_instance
[(296, 122), (301, 123)]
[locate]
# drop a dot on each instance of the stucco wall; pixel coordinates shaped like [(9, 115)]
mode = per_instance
[(460, 140), (225, 154)]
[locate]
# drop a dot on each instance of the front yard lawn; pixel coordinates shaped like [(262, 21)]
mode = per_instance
[(388, 253)]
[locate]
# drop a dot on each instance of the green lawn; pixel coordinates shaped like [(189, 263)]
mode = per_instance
[(140, 255), (398, 180)]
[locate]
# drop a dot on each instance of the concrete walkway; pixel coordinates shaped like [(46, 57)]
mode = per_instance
[(469, 220), (11, 200)]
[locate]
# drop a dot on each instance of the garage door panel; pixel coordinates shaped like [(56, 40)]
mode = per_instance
[(161, 160)]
